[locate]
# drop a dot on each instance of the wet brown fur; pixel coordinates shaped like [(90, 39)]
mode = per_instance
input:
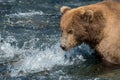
[(101, 32)]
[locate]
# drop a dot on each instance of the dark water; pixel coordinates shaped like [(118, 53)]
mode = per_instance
[(29, 44)]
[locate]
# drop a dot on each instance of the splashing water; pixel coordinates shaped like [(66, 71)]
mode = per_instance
[(27, 14), (29, 59), (40, 60), (7, 52)]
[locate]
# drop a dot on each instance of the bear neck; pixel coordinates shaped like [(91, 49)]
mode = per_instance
[(94, 40), (95, 34)]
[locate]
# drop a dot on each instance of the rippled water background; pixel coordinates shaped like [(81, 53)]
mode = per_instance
[(29, 44)]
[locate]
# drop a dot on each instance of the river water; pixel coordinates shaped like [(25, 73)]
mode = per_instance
[(29, 44)]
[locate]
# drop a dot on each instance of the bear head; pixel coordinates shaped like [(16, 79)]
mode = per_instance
[(76, 26)]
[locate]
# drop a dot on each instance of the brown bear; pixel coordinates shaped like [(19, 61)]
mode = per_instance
[(97, 25)]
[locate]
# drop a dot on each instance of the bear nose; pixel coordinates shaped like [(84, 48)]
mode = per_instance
[(63, 47)]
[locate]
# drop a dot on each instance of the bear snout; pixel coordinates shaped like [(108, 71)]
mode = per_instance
[(63, 47)]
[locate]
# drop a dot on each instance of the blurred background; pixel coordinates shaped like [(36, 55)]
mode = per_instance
[(29, 44)]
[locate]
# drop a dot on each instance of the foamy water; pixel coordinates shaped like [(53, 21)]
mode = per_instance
[(25, 14), (7, 0), (28, 19), (31, 60), (39, 60)]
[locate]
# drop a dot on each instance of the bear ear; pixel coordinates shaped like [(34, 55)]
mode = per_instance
[(88, 15), (64, 9)]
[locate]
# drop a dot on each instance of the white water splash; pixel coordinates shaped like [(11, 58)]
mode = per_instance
[(7, 52), (32, 60), (7, 0), (25, 14), (40, 61), (22, 18)]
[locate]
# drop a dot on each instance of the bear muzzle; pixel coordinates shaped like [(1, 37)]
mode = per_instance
[(63, 47)]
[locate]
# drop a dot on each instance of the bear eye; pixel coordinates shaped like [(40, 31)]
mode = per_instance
[(70, 32)]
